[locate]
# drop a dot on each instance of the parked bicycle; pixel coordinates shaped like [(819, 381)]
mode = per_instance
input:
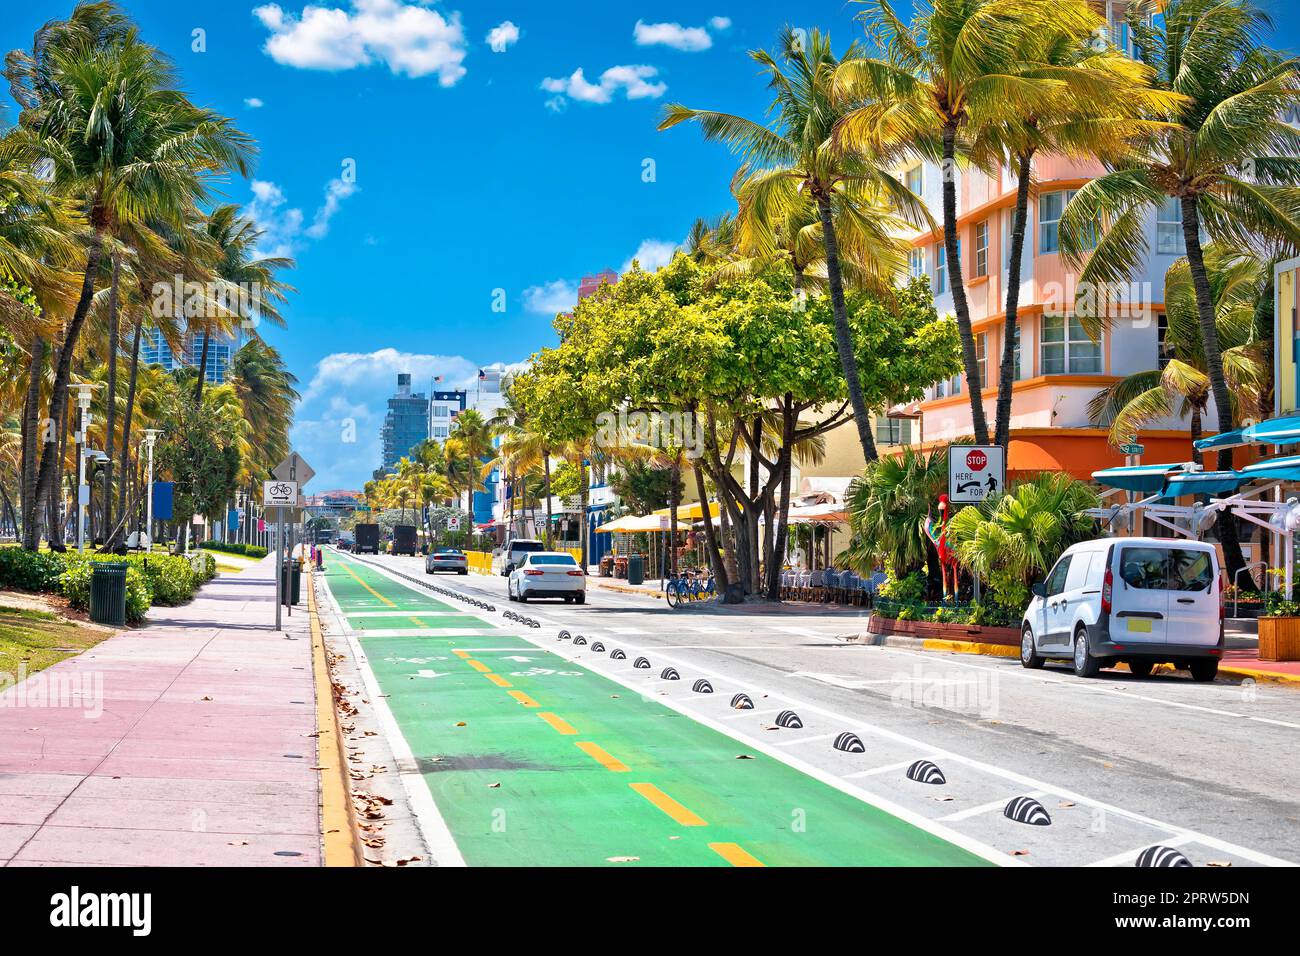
[(689, 587)]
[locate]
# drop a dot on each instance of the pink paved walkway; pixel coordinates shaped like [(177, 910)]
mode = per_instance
[(188, 742), (1247, 658)]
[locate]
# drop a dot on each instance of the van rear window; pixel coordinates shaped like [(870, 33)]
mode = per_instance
[(1166, 569), (522, 546), (1190, 570)]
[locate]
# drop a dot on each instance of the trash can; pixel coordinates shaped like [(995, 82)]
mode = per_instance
[(635, 569), (291, 582), (108, 593)]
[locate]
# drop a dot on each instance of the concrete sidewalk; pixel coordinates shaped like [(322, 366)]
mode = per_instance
[(187, 742)]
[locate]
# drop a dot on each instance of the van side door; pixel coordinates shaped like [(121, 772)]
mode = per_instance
[(1055, 628), (1141, 595), (1193, 598)]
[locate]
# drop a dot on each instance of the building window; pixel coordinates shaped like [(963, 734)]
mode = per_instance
[(916, 263), (1169, 228), (440, 411), (1050, 208), (914, 180), (893, 431), (982, 249), (1066, 348), (1164, 350), (940, 269), (1016, 374), (982, 358)]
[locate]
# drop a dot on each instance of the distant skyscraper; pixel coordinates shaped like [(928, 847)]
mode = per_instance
[(405, 425), (154, 350)]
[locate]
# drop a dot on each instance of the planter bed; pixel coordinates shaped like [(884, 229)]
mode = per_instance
[(975, 634), (1279, 639)]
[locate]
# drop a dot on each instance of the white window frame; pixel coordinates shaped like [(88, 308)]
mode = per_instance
[(940, 269), (1169, 232), (916, 263), (1075, 349), (982, 248), (1055, 224)]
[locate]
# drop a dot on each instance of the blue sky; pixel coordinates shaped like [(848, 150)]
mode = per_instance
[(480, 165)]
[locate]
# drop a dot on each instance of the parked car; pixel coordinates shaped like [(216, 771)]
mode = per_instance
[(512, 555), (1142, 601), (447, 559), (548, 574)]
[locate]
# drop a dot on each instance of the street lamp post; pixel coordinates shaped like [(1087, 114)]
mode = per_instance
[(150, 439), (82, 392)]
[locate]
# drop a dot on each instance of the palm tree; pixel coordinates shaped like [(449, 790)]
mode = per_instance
[(469, 444), (958, 62), (1227, 161), (795, 161), (887, 506), (1181, 387), (121, 139), (248, 288)]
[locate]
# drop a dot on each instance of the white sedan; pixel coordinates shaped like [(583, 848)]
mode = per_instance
[(548, 574)]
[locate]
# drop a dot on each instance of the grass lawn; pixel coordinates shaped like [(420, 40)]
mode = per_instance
[(43, 638), (228, 563)]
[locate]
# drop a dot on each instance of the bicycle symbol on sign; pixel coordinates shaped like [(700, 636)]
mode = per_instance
[(281, 490)]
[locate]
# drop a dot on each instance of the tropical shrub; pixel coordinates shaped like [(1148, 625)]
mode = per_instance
[(231, 547), (886, 506), (30, 570), (910, 588), (172, 579)]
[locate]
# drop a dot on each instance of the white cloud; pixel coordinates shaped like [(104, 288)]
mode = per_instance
[(686, 39), (720, 23), (337, 423), (253, 103), (551, 297), (651, 254), (409, 38), (634, 81), (503, 36), (282, 224)]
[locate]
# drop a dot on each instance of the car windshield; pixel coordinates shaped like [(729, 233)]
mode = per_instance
[(552, 559), (448, 551), (527, 546)]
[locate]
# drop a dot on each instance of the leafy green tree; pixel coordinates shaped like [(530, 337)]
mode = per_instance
[(201, 456)]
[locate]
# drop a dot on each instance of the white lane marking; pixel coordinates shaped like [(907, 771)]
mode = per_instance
[(876, 771), (889, 806), (706, 629), (984, 808), (1128, 857), (961, 840), (746, 713), (1080, 685), (429, 632), (433, 828), (626, 630), (430, 612), (805, 740)]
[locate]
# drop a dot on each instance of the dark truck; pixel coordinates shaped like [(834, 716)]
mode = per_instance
[(405, 539), (367, 539)]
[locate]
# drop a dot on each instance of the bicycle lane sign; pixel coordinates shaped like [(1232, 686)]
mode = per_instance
[(280, 494)]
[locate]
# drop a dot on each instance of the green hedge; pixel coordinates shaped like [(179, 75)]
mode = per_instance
[(247, 550), (163, 579)]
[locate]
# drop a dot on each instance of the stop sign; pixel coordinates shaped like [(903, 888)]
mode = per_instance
[(976, 460)]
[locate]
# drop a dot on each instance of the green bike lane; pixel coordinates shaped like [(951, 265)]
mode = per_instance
[(540, 761)]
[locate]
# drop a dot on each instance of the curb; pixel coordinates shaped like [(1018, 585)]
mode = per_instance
[(623, 589), (1003, 650), (340, 838)]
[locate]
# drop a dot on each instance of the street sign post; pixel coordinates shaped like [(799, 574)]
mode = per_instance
[(1132, 449), (975, 472), (453, 523)]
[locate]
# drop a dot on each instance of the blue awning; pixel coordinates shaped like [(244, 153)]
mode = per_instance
[(1286, 468), (1147, 479), (1204, 483), (1275, 431)]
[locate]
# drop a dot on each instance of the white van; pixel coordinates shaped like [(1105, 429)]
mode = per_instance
[(512, 555), (1138, 600)]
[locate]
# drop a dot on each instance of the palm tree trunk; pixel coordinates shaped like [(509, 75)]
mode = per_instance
[(546, 482), (47, 477), (723, 582), (203, 367), (785, 463), (1007, 370), (1226, 524), (586, 495), (110, 425), (674, 495), (132, 379), (957, 282), (843, 335), (31, 428), (1196, 430)]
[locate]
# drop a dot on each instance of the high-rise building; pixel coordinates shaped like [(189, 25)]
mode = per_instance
[(443, 407), (405, 425), (154, 350)]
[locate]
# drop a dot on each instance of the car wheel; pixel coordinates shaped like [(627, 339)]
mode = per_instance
[(1204, 670), (523, 598), (1085, 665), (581, 598), (1141, 668), (463, 571), (1028, 656)]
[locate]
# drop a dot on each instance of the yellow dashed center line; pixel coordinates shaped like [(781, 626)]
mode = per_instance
[(524, 699), (559, 723), (367, 586), (602, 757), (735, 855), (416, 621), (479, 666), (463, 655), (498, 680), (668, 805)]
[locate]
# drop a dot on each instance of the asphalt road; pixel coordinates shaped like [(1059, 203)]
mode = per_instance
[(1118, 763)]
